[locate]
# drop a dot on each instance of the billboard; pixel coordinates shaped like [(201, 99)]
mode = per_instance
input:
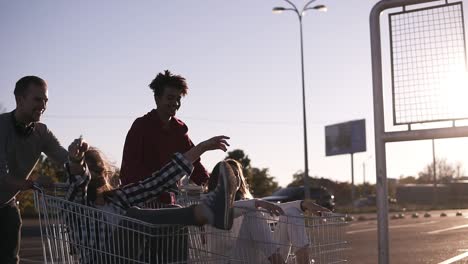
[(345, 138)]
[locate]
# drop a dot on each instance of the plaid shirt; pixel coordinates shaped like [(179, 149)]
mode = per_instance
[(96, 227)]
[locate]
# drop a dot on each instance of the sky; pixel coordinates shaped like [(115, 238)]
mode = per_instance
[(242, 65)]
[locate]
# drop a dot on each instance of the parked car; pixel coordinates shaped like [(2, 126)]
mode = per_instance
[(319, 195)]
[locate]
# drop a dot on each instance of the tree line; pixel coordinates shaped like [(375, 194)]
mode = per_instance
[(445, 172)]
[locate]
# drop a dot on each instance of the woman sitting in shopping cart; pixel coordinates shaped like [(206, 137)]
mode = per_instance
[(266, 238), (89, 185)]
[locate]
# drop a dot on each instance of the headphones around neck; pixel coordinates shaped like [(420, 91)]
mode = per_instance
[(22, 129)]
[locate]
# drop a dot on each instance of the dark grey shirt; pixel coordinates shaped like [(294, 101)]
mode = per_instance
[(19, 154)]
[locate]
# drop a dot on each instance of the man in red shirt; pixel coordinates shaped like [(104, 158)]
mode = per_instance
[(155, 137)]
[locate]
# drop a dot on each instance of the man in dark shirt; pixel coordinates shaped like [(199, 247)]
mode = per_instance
[(156, 136), (152, 141), (22, 140)]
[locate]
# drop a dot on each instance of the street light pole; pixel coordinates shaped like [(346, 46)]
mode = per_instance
[(304, 120), (299, 15)]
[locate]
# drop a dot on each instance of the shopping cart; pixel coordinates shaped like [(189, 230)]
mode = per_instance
[(74, 233), (258, 237), (296, 237), (327, 238)]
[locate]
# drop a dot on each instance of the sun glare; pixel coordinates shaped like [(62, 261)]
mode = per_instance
[(453, 98)]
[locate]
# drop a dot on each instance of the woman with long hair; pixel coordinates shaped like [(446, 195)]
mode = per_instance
[(255, 234), (89, 185)]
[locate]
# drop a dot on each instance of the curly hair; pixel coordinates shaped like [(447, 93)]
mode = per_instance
[(167, 79)]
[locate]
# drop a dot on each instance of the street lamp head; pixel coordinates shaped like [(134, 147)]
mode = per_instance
[(278, 9), (321, 8)]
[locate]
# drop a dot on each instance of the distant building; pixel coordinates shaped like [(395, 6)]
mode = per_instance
[(422, 193), (459, 192), (455, 193)]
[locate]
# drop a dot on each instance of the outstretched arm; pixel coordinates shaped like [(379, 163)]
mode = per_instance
[(243, 206), (219, 142), (180, 165), (199, 174), (304, 206), (311, 207), (79, 175)]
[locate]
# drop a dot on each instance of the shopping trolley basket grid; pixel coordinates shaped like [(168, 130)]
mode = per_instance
[(293, 237), (73, 233), (70, 234)]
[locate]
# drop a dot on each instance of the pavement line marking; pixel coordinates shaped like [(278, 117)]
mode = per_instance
[(390, 227), (456, 258), (361, 231), (447, 229), (359, 224)]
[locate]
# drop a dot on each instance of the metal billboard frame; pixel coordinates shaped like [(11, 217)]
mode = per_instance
[(381, 136)]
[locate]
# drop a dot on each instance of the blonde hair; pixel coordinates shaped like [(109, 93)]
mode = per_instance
[(237, 169), (97, 162), (243, 186)]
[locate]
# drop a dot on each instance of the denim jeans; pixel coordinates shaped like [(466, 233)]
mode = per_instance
[(171, 243)]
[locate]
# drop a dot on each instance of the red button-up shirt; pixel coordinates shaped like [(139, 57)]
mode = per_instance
[(150, 145)]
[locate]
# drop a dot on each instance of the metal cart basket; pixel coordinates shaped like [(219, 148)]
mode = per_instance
[(75, 233)]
